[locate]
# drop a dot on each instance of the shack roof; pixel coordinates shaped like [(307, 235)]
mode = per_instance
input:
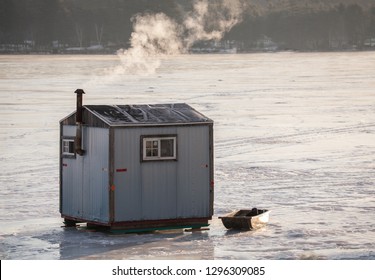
[(133, 115)]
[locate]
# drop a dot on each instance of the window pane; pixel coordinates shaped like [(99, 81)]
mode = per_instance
[(155, 144), (68, 147), (167, 148), (151, 148), (151, 152), (159, 148), (71, 147), (65, 147)]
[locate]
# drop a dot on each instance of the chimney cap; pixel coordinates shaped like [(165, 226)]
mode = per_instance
[(79, 91)]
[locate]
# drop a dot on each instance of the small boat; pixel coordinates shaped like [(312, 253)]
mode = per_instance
[(246, 219)]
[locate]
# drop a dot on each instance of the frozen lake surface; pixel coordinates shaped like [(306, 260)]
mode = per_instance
[(294, 133)]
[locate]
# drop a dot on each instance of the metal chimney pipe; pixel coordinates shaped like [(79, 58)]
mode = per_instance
[(79, 121), (79, 93)]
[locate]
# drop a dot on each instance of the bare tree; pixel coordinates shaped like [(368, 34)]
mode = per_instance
[(99, 34), (79, 33)]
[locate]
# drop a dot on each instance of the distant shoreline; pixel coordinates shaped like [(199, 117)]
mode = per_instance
[(193, 53)]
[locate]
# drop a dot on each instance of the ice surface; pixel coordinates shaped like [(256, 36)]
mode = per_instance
[(294, 133)]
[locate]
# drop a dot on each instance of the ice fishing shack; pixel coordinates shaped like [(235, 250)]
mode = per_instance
[(136, 167)]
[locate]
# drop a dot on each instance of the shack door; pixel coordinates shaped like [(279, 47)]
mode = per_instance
[(71, 191), (159, 191)]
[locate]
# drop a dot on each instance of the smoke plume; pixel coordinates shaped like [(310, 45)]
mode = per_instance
[(156, 35), (211, 20)]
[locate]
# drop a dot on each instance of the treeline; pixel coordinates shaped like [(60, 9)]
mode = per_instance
[(339, 27), (73, 22), (81, 23)]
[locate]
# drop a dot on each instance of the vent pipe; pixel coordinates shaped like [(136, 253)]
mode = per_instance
[(79, 122)]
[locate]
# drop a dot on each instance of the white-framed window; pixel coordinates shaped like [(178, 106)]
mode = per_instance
[(159, 148), (68, 148)]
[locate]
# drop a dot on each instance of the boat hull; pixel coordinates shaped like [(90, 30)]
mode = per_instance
[(246, 219)]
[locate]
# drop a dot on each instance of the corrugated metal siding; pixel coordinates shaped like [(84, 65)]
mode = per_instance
[(89, 119), (159, 190), (144, 190), (95, 171), (71, 187), (193, 174), (71, 180), (162, 189), (69, 130), (85, 179), (128, 192)]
